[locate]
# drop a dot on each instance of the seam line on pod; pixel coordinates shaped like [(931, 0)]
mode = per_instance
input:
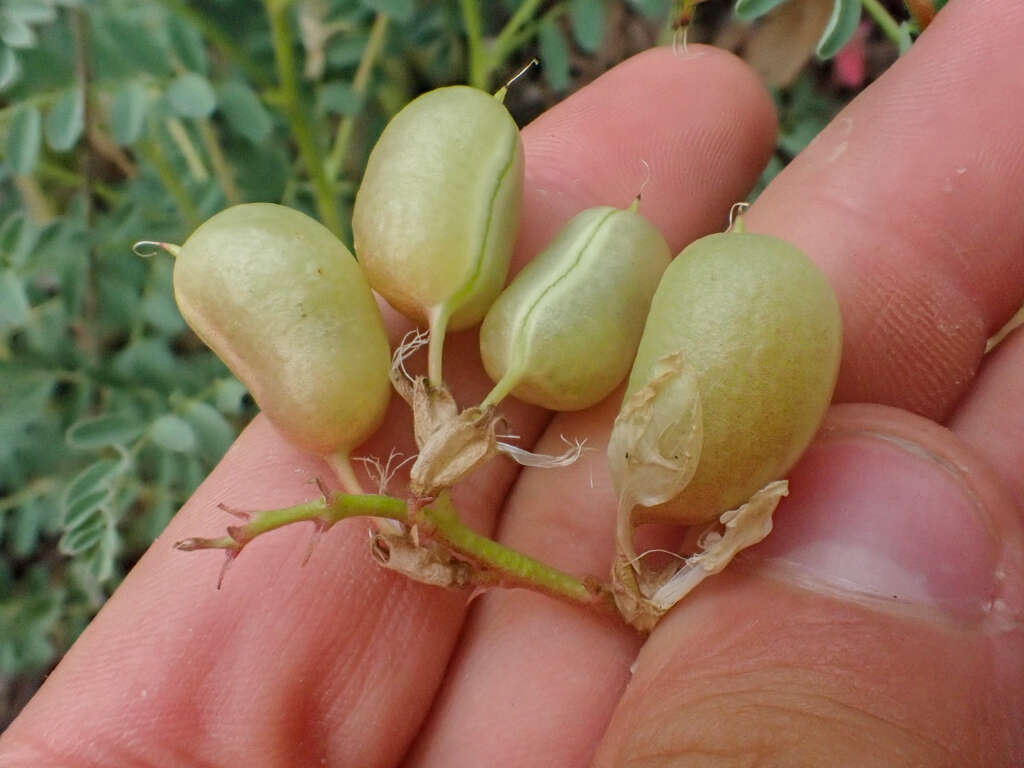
[(522, 346), (455, 302)]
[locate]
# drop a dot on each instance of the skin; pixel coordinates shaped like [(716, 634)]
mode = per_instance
[(778, 661)]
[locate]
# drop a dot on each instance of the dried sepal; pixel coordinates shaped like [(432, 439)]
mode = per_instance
[(655, 444), (656, 441), (452, 444), (527, 458), (425, 562), (643, 598), (744, 526)]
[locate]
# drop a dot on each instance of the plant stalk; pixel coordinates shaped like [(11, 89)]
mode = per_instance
[(360, 83), (883, 19), (295, 112), (506, 567)]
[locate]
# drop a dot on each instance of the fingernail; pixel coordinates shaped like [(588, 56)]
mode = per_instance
[(877, 517)]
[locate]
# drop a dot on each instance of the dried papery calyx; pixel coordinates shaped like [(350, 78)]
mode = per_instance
[(564, 333), (741, 347)]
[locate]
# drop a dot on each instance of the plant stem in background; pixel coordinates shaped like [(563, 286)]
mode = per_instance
[(221, 169), (88, 336), (485, 58), (193, 160), (883, 19), (154, 154), (479, 76), (36, 204), (295, 112), (360, 83)]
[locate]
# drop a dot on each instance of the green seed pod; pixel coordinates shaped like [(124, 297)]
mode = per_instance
[(437, 212), (285, 305), (564, 333), (758, 325)]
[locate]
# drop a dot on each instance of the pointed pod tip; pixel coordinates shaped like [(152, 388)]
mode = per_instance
[(147, 249)]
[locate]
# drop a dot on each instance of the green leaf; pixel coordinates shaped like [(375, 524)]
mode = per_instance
[(340, 98), (98, 475), (554, 55), (160, 311), (191, 95), (32, 11), (229, 393), (840, 27), (244, 111), (15, 32), (24, 528), (86, 533), (214, 433), (10, 69), (174, 434), (100, 561), (589, 19), (399, 10), (84, 507), (101, 431), (651, 9), (187, 44), (748, 10), (24, 139), (128, 115), (14, 306), (65, 121)]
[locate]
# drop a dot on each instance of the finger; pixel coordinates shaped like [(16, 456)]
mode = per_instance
[(526, 657), (337, 661), (906, 201), (990, 418), (879, 624)]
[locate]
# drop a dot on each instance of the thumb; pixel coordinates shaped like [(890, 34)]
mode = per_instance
[(879, 625)]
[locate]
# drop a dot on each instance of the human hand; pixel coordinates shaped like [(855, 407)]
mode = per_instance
[(879, 624)]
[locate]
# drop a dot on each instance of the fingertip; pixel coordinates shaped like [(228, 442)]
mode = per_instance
[(700, 125)]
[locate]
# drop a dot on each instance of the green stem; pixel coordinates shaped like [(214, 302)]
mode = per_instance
[(360, 83), (323, 512), (883, 19), (435, 348), (511, 568), (221, 169), (36, 488), (154, 154), (529, 31), (193, 160), (479, 69), (504, 43), (342, 466), (295, 112), (58, 173)]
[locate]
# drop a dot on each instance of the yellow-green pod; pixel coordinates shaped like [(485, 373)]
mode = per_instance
[(437, 212), (759, 325), (285, 305), (564, 333)]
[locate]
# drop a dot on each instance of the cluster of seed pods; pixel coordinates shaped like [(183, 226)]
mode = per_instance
[(731, 349)]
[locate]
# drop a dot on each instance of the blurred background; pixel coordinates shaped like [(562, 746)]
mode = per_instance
[(126, 120)]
